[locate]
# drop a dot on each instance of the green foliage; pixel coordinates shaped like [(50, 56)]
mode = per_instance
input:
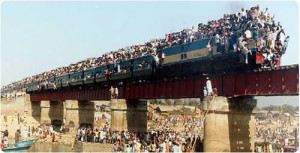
[(183, 111), (288, 109), (285, 108), (271, 108), (185, 102)]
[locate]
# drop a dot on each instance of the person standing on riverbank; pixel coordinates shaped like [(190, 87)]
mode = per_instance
[(5, 138), (17, 136), (25, 134), (2, 144), (51, 130), (53, 136)]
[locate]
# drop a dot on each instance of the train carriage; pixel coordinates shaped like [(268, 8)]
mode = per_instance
[(33, 86), (76, 78), (100, 74), (65, 80), (57, 82), (50, 84), (121, 70), (89, 76), (144, 66)]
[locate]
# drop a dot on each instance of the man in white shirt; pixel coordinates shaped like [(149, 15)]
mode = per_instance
[(101, 133), (175, 147), (265, 13), (51, 129), (25, 134), (248, 34), (208, 87), (243, 13)]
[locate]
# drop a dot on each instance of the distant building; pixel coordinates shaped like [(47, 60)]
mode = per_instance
[(165, 110), (261, 115)]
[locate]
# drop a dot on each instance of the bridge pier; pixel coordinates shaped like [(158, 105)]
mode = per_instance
[(45, 109), (229, 124), (78, 112), (32, 110), (128, 115)]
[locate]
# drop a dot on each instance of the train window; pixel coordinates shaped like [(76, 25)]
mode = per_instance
[(89, 75), (65, 80), (143, 64), (99, 73), (183, 56)]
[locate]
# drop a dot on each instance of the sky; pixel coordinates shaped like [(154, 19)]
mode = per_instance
[(40, 36)]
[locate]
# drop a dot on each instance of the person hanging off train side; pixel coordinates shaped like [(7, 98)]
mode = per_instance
[(208, 89), (114, 92)]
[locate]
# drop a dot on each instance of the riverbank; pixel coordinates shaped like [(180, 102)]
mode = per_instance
[(78, 147)]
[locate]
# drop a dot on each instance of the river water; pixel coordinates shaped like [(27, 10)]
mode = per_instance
[(47, 147)]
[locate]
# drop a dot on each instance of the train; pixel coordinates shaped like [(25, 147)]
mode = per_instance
[(184, 60)]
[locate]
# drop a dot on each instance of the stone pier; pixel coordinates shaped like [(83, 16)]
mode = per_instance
[(49, 111), (56, 111), (229, 124), (45, 109), (32, 109), (78, 112), (128, 115)]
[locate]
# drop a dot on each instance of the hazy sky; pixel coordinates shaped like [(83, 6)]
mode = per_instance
[(40, 36), (277, 100)]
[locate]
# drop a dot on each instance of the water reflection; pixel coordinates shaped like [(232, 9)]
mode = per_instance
[(47, 147)]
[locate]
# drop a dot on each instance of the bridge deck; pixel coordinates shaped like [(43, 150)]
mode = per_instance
[(279, 82)]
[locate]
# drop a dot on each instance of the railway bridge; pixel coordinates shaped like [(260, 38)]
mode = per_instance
[(229, 124)]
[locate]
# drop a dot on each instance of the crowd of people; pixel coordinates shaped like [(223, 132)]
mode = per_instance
[(42, 132), (182, 122), (275, 133), (152, 141), (175, 133), (233, 32)]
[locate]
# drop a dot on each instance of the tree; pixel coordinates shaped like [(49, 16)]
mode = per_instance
[(288, 109), (271, 108)]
